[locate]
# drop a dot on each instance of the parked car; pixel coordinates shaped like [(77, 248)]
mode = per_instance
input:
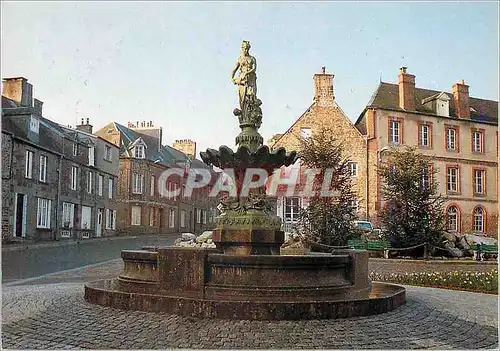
[(364, 226)]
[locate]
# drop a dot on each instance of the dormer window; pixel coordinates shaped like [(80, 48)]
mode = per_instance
[(139, 151), (438, 103)]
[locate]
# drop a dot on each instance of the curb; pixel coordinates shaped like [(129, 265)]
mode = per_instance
[(70, 242), (423, 262)]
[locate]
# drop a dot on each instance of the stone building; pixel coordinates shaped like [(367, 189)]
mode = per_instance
[(143, 207), (49, 195), (326, 112), (458, 132)]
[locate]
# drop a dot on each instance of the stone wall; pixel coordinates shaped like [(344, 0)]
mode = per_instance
[(7, 197)]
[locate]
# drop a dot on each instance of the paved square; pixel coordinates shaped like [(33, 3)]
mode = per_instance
[(55, 316)]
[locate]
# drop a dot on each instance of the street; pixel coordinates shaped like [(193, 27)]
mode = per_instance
[(37, 261)]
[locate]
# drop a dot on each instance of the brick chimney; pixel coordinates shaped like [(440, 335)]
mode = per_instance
[(85, 126), (323, 88), (19, 90), (187, 146), (461, 99), (406, 83)]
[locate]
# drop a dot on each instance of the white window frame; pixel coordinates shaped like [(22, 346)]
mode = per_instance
[(92, 156), (291, 209), (137, 183), (90, 182), (171, 219), (152, 186), (107, 153), (110, 188), (100, 184), (43, 213), (68, 214), (140, 151), (453, 176), (28, 164), (151, 216), (395, 132), (74, 178), (75, 149), (84, 224), (479, 181), (452, 218), (198, 216), (425, 179), (424, 135), (204, 216), (43, 168), (183, 218), (135, 215), (451, 139), (478, 223), (353, 169), (477, 141)]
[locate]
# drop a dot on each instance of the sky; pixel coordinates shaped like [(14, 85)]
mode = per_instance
[(170, 63)]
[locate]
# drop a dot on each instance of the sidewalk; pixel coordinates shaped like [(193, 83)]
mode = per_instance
[(31, 244)]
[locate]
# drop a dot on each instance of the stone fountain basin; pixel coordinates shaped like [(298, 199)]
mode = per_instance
[(204, 283)]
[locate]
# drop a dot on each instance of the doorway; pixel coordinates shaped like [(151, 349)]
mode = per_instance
[(98, 228), (20, 216)]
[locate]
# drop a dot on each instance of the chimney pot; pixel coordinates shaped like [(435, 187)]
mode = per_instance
[(83, 122), (87, 121), (462, 81), (323, 69), (403, 70)]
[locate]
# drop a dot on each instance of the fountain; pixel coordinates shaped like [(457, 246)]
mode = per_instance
[(245, 277)]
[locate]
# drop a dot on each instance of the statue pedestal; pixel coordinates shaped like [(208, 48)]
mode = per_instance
[(251, 233)]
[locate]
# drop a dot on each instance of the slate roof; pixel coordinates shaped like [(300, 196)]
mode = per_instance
[(387, 96)]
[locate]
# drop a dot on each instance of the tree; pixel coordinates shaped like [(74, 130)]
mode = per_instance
[(328, 220), (413, 212)]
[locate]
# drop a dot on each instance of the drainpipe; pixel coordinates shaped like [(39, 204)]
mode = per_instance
[(58, 198), (367, 197)]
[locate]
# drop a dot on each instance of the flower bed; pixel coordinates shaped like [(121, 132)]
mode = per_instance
[(485, 282)]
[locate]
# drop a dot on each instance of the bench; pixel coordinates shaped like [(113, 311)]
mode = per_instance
[(489, 249), (378, 246), (356, 244)]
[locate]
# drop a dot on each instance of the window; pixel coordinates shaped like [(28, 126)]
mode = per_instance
[(205, 217), (110, 188), (91, 156), (151, 216), (355, 205), (100, 184), (477, 141), (451, 139), (479, 181), (171, 219), (86, 217), (152, 186), (74, 177), (75, 149), (43, 213), (68, 214), (394, 132), (107, 152), (110, 219), (305, 133), (292, 209), (478, 220), (424, 135), (43, 168), (452, 179), (139, 151), (90, 177), (137, 182), (452, 217), (28, 169), (425, 181), (183, 219), (353, 169), (169, 190), (136, 215), (198, 215)]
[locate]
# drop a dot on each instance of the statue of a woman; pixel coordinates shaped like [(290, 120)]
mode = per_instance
[(247, 79)]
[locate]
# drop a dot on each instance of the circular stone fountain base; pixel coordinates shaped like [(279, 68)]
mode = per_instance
[(204, 283), (383, 298)]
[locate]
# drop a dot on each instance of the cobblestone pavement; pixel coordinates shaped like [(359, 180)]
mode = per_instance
[(55, 316)]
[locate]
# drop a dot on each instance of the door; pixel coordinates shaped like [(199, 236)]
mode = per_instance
[(98, 228), (20, 216)]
